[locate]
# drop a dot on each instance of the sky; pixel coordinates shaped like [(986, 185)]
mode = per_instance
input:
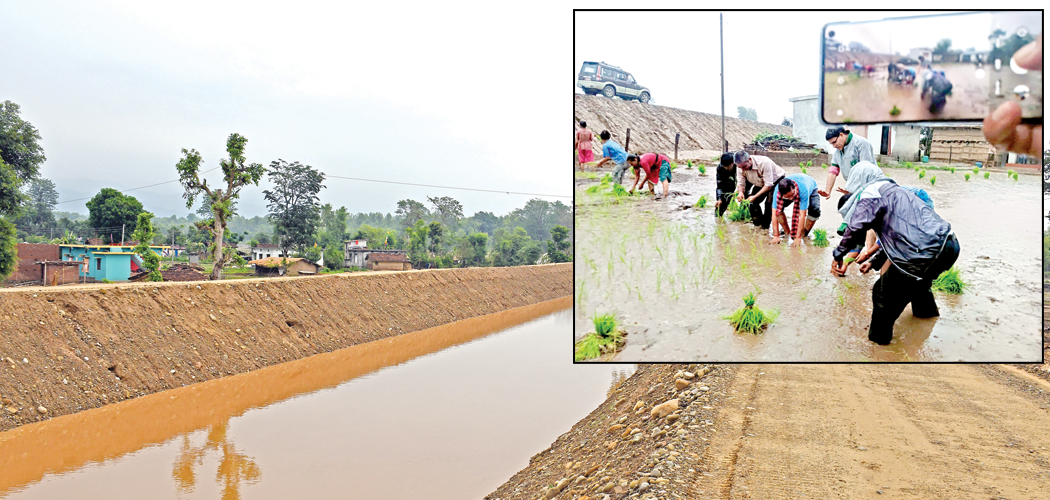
[(118, 88)]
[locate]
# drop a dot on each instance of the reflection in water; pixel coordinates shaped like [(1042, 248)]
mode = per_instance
[(116, 430), (234, 468)]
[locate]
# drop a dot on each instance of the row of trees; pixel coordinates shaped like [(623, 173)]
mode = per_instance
[(435, 234)]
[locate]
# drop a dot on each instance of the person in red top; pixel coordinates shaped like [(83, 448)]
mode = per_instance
[(584, 150), (657, 169)]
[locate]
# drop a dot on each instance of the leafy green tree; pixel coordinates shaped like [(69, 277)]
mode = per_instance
[(417, 241), (42, 198), (747, 113), (312, 253), (942, 46), (109, 210), (333, 257), (448, 210), (144, 234), (558, 245), (377, 237), (436, 235), (487, 222), (295, 209), (514, 248), (410, 212), (8, 249), (479, 243), (237, 174), (19, 143)]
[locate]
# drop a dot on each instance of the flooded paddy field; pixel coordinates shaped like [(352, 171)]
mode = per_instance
[(449, 412), (671, 272)]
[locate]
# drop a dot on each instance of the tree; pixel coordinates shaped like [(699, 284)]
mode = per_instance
[(558, 245), (417, 240), (487, 222), (747, 113), (942, 46), (514, 248), (236, 174), (410, 212), (19, 143), (144, 233), (113, 214), (448, 210), (537, 217), (295, 209), (787, 122), (479, 243), (42, 198), (436, 234)]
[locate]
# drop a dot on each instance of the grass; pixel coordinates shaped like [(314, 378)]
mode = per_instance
[(820, 238), (702, 202), (750, 319), (950, 282)]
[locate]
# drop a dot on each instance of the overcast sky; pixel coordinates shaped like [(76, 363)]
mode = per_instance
[(415, 93)]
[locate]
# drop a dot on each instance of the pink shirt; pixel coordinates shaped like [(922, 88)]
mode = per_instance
[(651, 165), (584, 136)]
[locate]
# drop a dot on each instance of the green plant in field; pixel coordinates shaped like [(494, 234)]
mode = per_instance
[(673, 166), (967, 176), (702, 202), (739, 211), (801, 164), (750, 319), (895, 111), (824, 166), (1015, 176), (986, 174), (840, 299), (908, 164), (594, 189), (618, 191), (804, 170), (976, 170), (809, 163), (820, 238), (1009, 173), (952, 169), (950, 282), (922, 174), (689, 164), (701, 168), (104, 280), (933, 180)]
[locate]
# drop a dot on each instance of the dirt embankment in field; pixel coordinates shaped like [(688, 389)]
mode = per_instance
[(804, 431), (653, 127), (70, 349)]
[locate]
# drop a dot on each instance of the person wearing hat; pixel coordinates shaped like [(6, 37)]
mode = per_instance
[(761, 175), (849, 149)]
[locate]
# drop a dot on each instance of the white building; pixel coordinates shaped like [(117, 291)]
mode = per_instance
[(266, 250)]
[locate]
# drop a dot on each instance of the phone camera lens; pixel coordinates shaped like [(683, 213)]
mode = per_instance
[(831, 34)]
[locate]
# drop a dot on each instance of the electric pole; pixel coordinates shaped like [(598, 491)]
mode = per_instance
[(722, 56)]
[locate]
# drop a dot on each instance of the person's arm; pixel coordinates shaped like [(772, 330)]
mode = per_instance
[(797, 221), (760, 192), (833, 173), (602, 162), (636, 183), (864, 216)]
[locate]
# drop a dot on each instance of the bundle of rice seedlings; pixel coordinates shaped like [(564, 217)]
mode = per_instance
[(809, 163), (922, 174), (673, 166), (820, 238), (933, 180), (618, 191), (986, 174), (824, 166), (701, 168), (801, 164), (594, 189), (952, 169), (739, 211), (949, 282), (702, 202), (1015, 176), (976, 170), (804, 170), (750, 319), (908, 164), (689, 164), (967, 176), (606, 337), (1009, 173)]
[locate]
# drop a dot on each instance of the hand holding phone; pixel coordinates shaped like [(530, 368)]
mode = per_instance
[(1003, 127)]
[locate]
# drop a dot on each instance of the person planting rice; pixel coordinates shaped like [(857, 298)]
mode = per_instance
[(613, 153), (584, 152), (918, 244), (803, 189), (657, 169), (761, 174), (849, 150), (725, 184)]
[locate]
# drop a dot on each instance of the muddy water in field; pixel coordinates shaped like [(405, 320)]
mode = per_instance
[(450, 412), (671, 272), (870, 98)]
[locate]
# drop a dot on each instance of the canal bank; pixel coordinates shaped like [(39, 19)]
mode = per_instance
[(70, 349)]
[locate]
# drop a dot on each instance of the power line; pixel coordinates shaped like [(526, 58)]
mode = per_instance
[(358, 179)]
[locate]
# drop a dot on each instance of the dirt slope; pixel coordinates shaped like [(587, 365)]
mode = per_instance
[(69, 349), (818, 431), (653, 127)]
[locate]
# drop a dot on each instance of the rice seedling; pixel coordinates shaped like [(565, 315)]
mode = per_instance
[(688, 164), (933, 180), (739, 211), (908, 164), (673, 166), (986, 174), (594, 189), (976, 170), (1009, 173), (952, 169), (922, 174), (840, 299), (1015, 176), (750, 319), (820, 238), (824, 166), (701, 168), (804, 170), (950, 282), (606, 337), (618, 191), (802, 296), (801, 164), (702, 202), (809, 163), (967, 176)]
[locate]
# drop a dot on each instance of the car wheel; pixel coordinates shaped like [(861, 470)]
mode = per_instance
[(609, 91), (644, 98)]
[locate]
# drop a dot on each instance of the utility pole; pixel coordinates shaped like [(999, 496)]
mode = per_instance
[(722, 56), (172, 245), (122, 235)]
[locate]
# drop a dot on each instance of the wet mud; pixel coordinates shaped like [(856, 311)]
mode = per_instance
[(671, 272), (871, 98), (431, 405)]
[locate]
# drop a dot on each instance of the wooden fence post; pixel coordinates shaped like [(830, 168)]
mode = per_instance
[(627, 143), (676, 147)]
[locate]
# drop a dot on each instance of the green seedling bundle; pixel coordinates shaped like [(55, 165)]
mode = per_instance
[(702, 202), (950, 282), (701, 168), (820, 238), (967, 176), (987, 174), (933, 180), (1015, 176), (606, 337), (739, 211), (750, 319), (952, 169), (922, 173), (976, 170)]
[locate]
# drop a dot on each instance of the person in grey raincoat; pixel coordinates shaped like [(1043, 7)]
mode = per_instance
[(918, 243)]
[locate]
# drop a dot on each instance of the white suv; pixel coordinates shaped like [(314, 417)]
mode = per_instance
[(608, 80)]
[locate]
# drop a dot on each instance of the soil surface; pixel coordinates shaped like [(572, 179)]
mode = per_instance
[(672, 271), (805, 431), (72, 348), (871, 98)]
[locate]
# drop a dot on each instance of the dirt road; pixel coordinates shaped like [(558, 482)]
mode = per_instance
[(815, 431), (849, 431)]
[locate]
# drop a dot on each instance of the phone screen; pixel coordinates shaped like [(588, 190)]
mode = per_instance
[(950, 67)]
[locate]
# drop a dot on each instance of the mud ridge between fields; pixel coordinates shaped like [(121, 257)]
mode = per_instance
[(68, 350)]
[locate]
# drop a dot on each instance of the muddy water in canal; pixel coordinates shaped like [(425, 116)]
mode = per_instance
[(450, 412), (671, 272)]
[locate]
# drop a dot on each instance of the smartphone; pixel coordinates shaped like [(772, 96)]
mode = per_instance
[(948, 67)]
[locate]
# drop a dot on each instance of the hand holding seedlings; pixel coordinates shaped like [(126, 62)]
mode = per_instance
[(775, 240)]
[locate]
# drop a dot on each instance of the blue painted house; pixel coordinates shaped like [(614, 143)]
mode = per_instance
[(113, 263)]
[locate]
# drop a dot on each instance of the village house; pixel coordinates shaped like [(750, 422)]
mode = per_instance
[(280, 266), (356, 251), (109, 262), (266, 250), (387, 262)]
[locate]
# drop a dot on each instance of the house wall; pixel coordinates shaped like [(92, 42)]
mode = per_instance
[(906, 143), (390, 266), (806, 122), (28, 256), (295, 268)]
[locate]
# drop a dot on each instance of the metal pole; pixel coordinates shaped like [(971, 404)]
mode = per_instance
[(173, 245), (721, 52), (676, 147), (627, 143), (122, 235)]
